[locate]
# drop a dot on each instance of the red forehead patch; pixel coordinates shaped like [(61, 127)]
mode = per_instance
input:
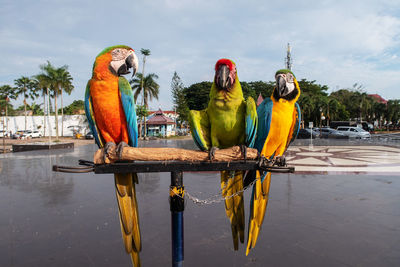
[(225, 61)]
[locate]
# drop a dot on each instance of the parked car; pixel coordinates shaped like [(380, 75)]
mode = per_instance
[(31, 134), (89, 135), (306, 133), (327, 132), (18, 134), (3, 133), (354, 132)]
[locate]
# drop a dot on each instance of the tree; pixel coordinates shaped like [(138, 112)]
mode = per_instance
[(178, 96), (146, 86), (59, 79), (197, 95), (6, 92), (74, 107), (26, 87)]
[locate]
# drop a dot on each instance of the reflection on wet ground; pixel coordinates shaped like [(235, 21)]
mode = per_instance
[(59, 219)]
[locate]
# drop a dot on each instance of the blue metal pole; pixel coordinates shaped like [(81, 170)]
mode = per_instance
[(177, 206)]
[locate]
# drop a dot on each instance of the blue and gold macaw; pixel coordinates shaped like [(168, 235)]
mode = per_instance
[(228, 121), (278, 125), (110, 110)]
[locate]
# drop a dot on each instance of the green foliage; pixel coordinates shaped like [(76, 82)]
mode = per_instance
[(146, 86), (74, 107), (197, 95), (141, 111), (179, 100)]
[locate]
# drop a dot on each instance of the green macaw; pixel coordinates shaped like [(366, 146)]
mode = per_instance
[(228, 120), (279, 121)]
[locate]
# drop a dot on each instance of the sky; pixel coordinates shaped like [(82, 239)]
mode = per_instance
[(336, 43)]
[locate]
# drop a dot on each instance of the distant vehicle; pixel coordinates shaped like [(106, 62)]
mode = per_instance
[(31, 134), (18, 134), (89, 135), (2, 133), (364, 125), (331, 133), (354, 132), (306, 133)]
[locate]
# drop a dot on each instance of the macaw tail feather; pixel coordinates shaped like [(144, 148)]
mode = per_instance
[(128, 214), (258, 206), (231, 183)]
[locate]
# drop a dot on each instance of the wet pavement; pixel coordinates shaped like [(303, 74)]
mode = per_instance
[(313, 219)]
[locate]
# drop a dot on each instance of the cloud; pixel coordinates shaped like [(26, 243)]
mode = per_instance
[(334, 42)]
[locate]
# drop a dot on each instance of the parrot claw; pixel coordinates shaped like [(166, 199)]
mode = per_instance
[(280, 161), (211, 153), (243, 149), (120, 148), (107, 148)]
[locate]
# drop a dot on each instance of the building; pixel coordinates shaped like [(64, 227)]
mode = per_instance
[(378, 98), (159, 124), (260, 99)]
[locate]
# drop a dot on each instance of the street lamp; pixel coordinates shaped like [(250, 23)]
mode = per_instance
[(4, 134)]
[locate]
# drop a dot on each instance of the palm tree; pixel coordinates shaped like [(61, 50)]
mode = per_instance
[(59, 79), (43, 84), (25, 86), (66, 84), (146, 86), (145, 53), (7, 92)]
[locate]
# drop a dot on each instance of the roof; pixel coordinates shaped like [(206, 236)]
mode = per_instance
[(260, 99), (165, 112), (159, 119), (378, 98)]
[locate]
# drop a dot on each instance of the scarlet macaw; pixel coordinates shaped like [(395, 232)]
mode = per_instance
[(278, 124), (110, 110), (228, 120)]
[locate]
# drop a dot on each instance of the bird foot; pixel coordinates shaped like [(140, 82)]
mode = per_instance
[(280, 161), (211, 153), (120, 148), (107, 149)]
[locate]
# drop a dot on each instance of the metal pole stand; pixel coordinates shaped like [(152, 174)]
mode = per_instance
[(177, 206)]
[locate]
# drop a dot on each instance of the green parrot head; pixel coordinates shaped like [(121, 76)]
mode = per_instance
[(225, 74), (286, 85), (118, 60)]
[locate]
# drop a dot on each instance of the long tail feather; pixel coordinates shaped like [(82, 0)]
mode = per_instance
[(128, 214), (234, 206), (258, 206)]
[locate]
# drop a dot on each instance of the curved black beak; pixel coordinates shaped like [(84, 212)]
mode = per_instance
[(281, 86), (129, 63), (222, 80)]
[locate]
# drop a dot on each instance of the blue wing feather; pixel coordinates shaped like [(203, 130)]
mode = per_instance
[(90, 117), (264, 113), (128, 104), (251, 122)]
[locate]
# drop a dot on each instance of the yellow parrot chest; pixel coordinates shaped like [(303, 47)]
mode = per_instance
[(227, 120), (281, 124)]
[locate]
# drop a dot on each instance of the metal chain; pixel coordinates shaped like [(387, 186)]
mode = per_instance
[(264, 162), (217, 198)]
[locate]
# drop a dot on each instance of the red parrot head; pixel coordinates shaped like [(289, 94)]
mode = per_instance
[(225, 74), (120, 59)]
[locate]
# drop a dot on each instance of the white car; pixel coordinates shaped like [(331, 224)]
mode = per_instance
[(354, 132), (32, 134)]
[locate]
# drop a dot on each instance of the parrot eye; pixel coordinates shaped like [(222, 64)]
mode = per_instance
[(290, 78)]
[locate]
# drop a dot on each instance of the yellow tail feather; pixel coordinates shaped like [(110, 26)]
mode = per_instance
[(234, 206), (260, 202), (128, 214)]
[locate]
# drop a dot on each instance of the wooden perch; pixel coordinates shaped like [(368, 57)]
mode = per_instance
[(170, 154)]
